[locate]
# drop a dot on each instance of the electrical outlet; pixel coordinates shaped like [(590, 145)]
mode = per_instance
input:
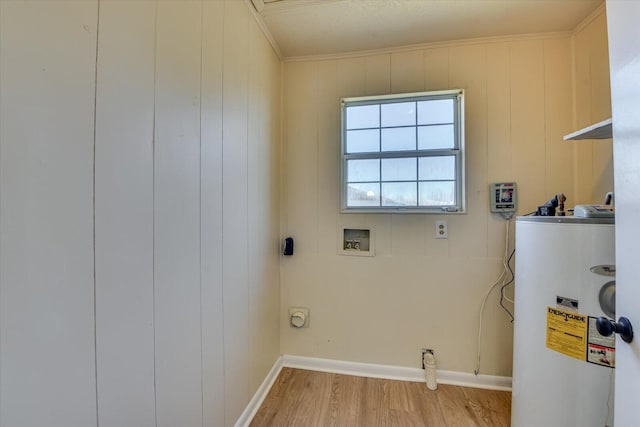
[(425, 351), (441, 229)]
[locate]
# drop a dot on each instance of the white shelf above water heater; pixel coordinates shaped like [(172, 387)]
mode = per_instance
[(602, 130)]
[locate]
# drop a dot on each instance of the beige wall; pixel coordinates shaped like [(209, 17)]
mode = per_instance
[(418, 291), (140, 212), (592, 97)]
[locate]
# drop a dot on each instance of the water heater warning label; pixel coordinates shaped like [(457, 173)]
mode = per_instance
[(601, 350), (567, 332)]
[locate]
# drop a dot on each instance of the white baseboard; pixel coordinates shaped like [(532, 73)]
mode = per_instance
[(400, 373), (259, 396)]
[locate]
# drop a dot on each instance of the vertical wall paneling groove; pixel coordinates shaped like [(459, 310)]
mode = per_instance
[(265, 294), (234, 204), (123, 213), (3, 107), (327, 151), (436, 69), (602, 180), (582, 112), (558, 119), (47, 367), (592, 103), (376, 74), (408, 75), (254, 98), (211, 214), (499, 143), (436, 77), (263, 196), (153, 216), (377, 81), (468, 71), (177, 214), (93, 194), (407, 71), (301, 140), (254, 231), (527, 121)]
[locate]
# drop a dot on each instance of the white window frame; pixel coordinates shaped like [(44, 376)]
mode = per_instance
[(458, 151)]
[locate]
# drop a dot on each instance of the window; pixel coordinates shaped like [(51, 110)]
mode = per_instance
[(403, 153)]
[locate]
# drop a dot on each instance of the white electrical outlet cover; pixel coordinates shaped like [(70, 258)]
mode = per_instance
[(441, 229)]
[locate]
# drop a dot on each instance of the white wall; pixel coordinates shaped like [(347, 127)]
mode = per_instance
[(592, 101), (418, 291), (139, 212)]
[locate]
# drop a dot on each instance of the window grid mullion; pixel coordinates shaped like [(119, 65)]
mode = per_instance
[(417, 154), (417, 175), (380, 128), (401, 154)]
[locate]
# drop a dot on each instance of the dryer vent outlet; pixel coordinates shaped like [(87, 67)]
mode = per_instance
[(299, 317)]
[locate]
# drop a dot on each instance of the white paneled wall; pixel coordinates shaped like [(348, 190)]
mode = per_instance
[(592, 98), (418, 291), (178, 355), (124, 212), (234, 207), (47, 341), (211, 219), (150, 145)]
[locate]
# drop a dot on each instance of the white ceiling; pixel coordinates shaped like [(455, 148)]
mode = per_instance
[(327, 27)]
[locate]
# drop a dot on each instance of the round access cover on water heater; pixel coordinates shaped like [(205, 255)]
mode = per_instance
[(607, 299)]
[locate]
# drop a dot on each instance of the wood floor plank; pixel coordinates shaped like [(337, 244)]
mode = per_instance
[(454, 406), (307, 399), (429, 405), (488, 406), (346, 400), (375, 402)]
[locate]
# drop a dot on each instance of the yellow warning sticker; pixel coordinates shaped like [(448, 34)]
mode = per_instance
[(567, 332)]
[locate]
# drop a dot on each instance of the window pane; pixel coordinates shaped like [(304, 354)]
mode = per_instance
[(437, 193), (436, 168), (399, 139), (363, 194), (398, 114), (399, 194), (434, 137), (362, 141), (399, 169), (363, 116), (403, 151), (363, 170), (435, 112)]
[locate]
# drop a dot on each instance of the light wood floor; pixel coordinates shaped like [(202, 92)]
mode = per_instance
[(308, 398)]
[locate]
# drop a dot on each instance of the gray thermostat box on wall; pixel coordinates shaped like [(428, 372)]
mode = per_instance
[(503, 197)]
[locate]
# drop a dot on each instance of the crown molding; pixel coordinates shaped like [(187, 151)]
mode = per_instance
[(263, 27), (431, 45), (287, 5), (590, 18)]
